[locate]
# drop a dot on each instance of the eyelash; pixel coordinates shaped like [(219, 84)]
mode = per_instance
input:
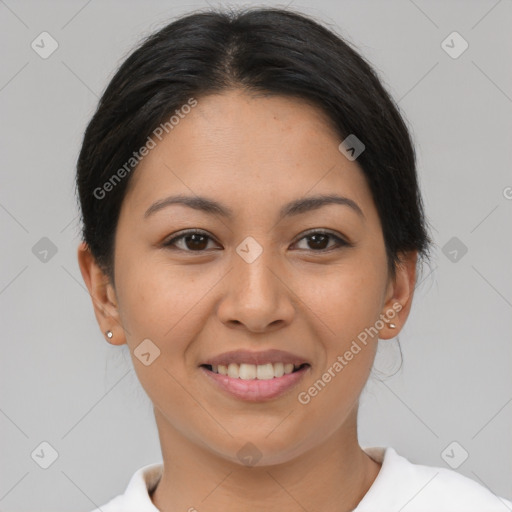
[(340, 242)]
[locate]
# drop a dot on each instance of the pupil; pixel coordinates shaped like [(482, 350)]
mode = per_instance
[(195, 240), (313, 238)]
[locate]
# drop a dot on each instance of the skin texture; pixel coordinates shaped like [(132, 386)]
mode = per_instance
[(253, 155)]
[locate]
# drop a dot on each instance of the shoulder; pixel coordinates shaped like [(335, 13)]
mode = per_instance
[(403, 485), (136, 495)]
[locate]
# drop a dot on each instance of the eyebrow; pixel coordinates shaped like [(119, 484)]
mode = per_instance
[(296, 207)]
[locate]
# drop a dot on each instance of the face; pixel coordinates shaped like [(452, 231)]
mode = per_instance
[(259, 278)]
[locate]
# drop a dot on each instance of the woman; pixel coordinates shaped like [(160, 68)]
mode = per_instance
[(252, 227)]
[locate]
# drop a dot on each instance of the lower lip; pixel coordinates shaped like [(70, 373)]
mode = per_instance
[(256, 390)]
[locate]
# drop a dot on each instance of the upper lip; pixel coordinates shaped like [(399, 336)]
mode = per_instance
[(256, 358)]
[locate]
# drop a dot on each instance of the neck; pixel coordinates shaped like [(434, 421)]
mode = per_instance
[(332, 477)]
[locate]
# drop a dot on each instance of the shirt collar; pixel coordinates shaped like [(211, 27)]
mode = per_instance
[(144, 480)]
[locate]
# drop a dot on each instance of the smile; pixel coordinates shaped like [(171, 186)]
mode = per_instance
[(246, 371), (248, 385)]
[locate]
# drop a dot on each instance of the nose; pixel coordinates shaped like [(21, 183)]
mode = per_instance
[(256, 295)]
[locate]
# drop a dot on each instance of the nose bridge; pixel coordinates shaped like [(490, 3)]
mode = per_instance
[(255, 296), (253, 264)]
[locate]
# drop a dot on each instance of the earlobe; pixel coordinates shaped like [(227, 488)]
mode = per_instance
[(103, 296), (400, 294)]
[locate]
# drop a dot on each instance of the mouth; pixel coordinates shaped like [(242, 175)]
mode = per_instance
[(255, 376), (246, 371)]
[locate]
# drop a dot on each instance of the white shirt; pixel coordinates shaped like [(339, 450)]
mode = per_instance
[(400, 486)]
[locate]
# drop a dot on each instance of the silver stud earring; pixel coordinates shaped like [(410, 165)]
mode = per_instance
[(392, 326), (109, 334)]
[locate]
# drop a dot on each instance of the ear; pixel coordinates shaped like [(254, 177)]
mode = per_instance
[(103, 295), (399, 295)]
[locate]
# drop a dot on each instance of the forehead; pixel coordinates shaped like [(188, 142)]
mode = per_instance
[(234, 146)]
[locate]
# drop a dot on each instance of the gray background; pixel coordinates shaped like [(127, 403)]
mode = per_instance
[(63, 384)]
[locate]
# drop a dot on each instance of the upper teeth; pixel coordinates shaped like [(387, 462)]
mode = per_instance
[(253, 371)]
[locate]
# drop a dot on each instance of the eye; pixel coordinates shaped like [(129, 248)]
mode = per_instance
[(191, 241), (318, 241), (197, 241)]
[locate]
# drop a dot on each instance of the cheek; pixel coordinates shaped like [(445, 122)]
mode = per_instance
[(345, 306), (345, 299), (162, 302), (150, 293)]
